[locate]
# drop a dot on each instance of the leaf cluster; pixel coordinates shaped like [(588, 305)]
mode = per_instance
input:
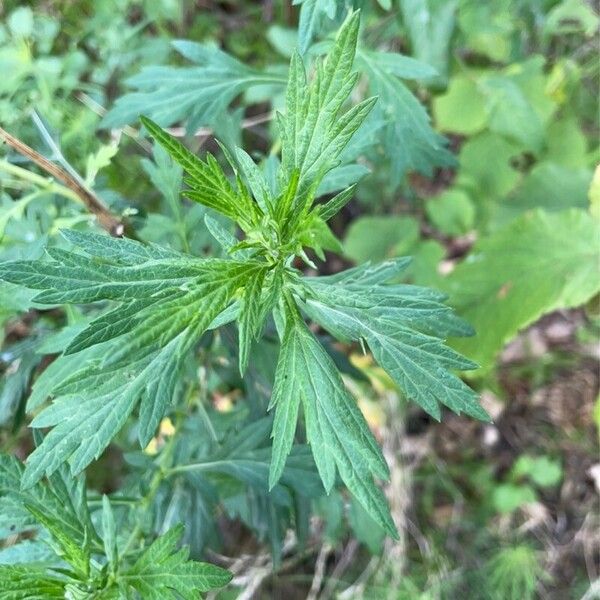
[(130, 357), (87, 558)]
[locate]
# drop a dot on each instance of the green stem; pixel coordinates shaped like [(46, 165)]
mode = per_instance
[(203, 466), (45, 184), (161, 473)]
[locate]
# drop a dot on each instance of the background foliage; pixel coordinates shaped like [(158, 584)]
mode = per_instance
[(477, 160)]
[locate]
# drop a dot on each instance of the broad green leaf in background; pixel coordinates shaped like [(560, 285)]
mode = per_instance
[(539, 263), (373, 238), (547, 186), (511, 114), (488, 26), (571, 16), (594, 194), (508, 497), (542, 470), (513, 102), (566, 145), (475, 174), (452, 212), (462, 109)]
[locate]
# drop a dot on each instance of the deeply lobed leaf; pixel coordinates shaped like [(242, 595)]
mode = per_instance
[(339, 436), (162, 572), (167, 303), (404, 327)]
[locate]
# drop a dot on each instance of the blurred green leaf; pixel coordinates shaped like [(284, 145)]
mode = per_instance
[(462, 109), (476, 157), (452, 212), (539, 263), (430, 25), (542, 470), (571, 16), (508, 497), (196, 95), (374, 238), (487, 27)]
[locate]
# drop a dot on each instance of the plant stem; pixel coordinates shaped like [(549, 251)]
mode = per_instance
[(37, 180), (162, 472), (105, 218)]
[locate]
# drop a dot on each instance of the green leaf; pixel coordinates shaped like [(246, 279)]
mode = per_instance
[(452, 212), (511, 114), (476, 156), (256, 180), (508, 497), (336, 430), (19, 369), (109, 534), (65, 546), (399, 65), (60, 507), (542, 470), (29, 583), (251, 317), (166, 305), (430, 24), (539, 263), (312, 15), (462, 109), (487, 27), (164, 573), (197, 95), (571, 16), (366, 530), (566, 144), (547, 186), (404, 327), (208, 184), (409, 141), (374, 238), (333, 206), (313, 131)]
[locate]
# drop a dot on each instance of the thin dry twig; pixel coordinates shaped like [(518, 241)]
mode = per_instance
[(317, 581), (105, 218), (340, 568)]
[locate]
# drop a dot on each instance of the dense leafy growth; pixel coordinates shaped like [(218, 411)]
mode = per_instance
[(133, 353), (245, 277), (97, 564)]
